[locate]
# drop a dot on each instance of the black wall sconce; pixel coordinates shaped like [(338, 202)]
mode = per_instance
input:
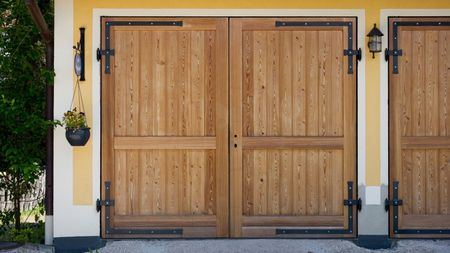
[(375, 36), (78, 61)]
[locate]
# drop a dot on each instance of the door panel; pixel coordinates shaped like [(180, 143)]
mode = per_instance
[(293, 121), (420, 127), (165, 127)]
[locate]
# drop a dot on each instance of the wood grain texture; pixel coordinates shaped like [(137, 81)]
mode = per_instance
[(293, 134), (419, 136), (165, 134)]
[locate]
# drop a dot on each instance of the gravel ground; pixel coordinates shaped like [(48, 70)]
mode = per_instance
[(253, 246), (267, 245)]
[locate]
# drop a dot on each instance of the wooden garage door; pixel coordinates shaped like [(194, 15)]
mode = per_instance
[(165, 127), (293, 127), (419, 126)]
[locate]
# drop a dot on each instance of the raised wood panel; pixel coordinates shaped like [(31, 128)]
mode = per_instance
[(293, 125), (167, 83), (419, 126), (155, 182), (266, 170)]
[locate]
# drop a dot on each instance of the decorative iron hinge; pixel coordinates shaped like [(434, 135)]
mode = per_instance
[(101, 203), (395, 53), (354, 202), (101, 52), (351, 52), (109, 230)]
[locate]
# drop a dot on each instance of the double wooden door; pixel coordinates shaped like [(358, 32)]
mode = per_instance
[(419, 95), (167, 138)]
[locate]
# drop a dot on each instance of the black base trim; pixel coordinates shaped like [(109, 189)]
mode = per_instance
[(350, 202), (77, 244), (374, 242)]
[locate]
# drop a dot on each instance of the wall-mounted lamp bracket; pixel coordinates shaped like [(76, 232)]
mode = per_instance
[(79, 56)]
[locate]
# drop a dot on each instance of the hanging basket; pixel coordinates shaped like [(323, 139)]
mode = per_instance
[(77, 129), (78, 137)]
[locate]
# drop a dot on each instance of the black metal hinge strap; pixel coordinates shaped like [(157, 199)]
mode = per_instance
[(101, 203), (395, 203), (108, 52), (350, 51), (108, 202), (350, 202), (395, 52)]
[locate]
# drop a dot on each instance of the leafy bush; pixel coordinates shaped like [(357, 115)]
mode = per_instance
[(30, 233), (23, 82)]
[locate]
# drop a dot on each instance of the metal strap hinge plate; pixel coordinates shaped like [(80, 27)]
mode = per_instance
[(393, 202), (354, 202), (351, 52), (101, 203), (106, 52), (394, 52)]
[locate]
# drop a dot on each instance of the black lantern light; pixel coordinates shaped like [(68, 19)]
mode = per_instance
[(374, 40)]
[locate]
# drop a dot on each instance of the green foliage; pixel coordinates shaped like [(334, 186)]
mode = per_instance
[(74, 120), (23, 81), (30, 233)]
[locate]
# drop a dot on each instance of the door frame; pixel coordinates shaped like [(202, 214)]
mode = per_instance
[(96, 70), (385, 16)]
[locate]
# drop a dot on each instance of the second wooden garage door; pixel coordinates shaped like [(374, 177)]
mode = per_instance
[(293, 127)]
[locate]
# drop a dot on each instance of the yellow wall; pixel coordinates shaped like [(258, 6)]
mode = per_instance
[(82, 160)]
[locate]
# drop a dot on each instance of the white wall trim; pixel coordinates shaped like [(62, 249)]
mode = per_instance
[(384, 110), (97, 13)]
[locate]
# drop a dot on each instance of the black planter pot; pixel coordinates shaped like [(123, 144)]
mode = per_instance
[(78, 137)]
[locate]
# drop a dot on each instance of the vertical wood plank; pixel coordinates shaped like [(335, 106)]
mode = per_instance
[(133, 182), (159, 183), (210, 183), (184, 47), (145, 84), (418, 83), (273, 121), (431, 83), (405, 85), (172, 86), (312, 121), (418, 178), (159, 80), (247, 84), (247, 182), (173, 167), (444, 182), (273, 182), (260, 183), (132, 84), (286, 111), (444, 83), (407, 187), (197, 84), (431, 182), (299, 104), (210, 83), (120, 182), (337, 71), (260, 84), (146, 182), (121, 76)]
